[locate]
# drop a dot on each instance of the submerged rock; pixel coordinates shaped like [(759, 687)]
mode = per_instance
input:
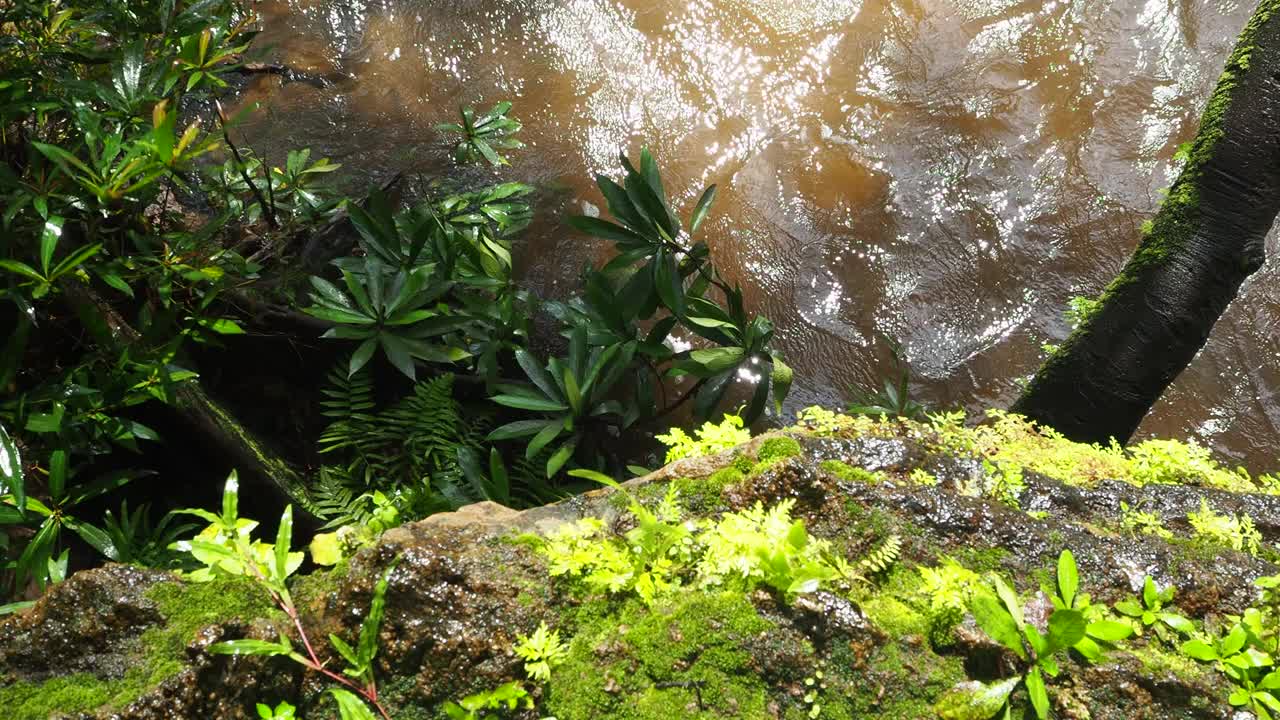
[(120, 642)]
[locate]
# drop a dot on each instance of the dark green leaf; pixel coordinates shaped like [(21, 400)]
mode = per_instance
[(522, 402), (702, 208), (538, 375), (95, 537), (596, 227)]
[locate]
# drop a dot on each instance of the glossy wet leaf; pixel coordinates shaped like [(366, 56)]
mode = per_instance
[(11, 470), (974, 700), (249, 647)]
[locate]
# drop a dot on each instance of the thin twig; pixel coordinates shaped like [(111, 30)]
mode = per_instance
[(267, 210)]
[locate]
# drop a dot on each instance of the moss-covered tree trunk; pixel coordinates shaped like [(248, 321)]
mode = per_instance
[(247, 453), (1207, 238)]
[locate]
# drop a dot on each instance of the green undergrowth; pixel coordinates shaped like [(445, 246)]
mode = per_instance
[(160, 651)]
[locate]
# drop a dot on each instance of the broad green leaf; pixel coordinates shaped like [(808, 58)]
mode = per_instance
[(361, 356), (1108, 630), (368, 648), (994, 619), (520, 428), (668, 283), (1089, 649), (544, 437), (325, 549), (572, 392), (398, 352), (717, 360), (1036, 692), (1068, 577), (74, 260), (486, 151), (1234, 640), (973, 700), (230, 500), (1177, 622), (21, 268), (1198, 650), (1009, 598), (1066, 628), (347, 652), (603, 229), (538, 375), (63, 159), (223, 326), (96, 538)]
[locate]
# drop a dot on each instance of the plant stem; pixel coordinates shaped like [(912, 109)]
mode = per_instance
[(267, 209)]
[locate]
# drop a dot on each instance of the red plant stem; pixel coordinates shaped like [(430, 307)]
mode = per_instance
[(369, 693)]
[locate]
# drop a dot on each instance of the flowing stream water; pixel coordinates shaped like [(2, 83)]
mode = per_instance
[(948, 172)]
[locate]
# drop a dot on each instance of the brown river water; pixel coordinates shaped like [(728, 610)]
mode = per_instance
[(949, 172)]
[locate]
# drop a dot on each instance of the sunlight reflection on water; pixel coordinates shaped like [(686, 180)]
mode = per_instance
[(946, 171)]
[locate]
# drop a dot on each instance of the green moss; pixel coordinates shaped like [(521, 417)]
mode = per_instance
[(73, 694), (1159, 662), (644, 663), (705, 495), (899, 681), (895, 617), (778, 448), (849, 473), (161, 651), (981, 560)]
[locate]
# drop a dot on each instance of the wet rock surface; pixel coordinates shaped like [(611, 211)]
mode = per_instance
[(462, 591), (82, 626)]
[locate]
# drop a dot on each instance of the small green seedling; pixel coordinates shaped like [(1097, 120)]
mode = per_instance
[(999, 613), (1099, 631), (1150, 612)]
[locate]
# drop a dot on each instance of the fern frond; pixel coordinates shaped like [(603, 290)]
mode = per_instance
[(338, 498), (347, 398), (883, 557)]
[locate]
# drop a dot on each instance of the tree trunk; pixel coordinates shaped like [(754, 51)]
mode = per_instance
[(1207, 238)]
